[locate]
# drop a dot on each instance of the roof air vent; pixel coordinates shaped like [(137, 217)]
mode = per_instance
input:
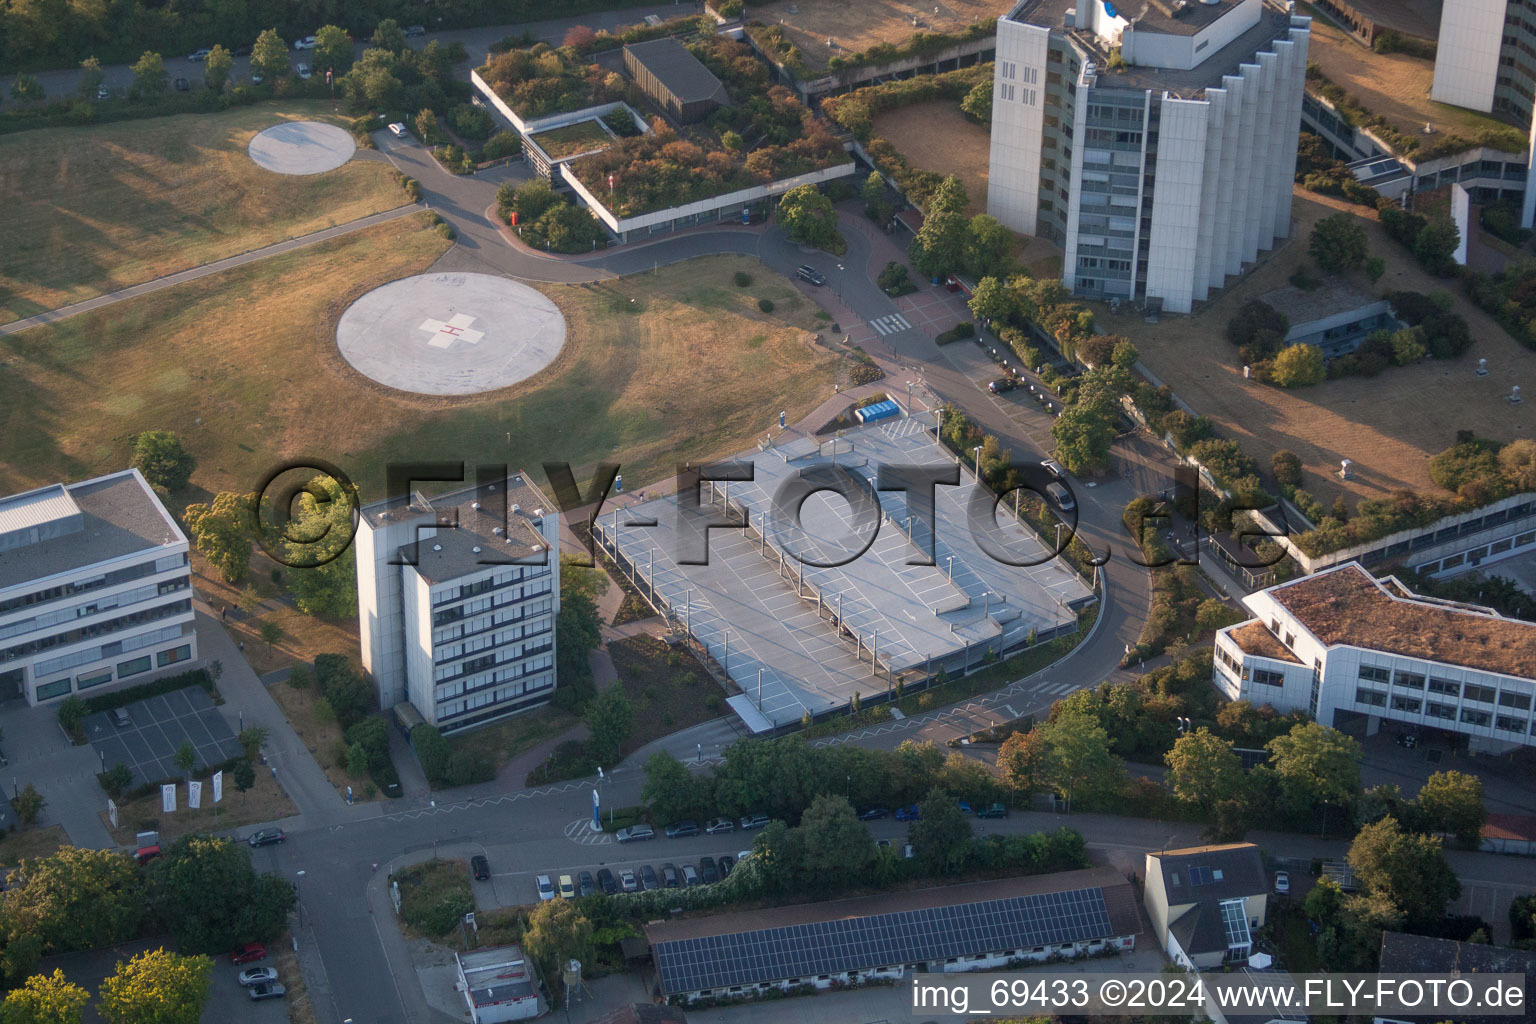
[(475, 506), (498, 531), (476, 549), (437, 547), (538, 512), (517, 508)]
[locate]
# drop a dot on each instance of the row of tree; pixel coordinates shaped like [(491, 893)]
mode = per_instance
[(154, 987)]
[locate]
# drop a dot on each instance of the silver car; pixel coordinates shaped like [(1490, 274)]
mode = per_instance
[(258, 975)]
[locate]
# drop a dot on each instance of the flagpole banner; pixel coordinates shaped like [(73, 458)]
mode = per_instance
[(218, 786), (194, 795), (168, 797), (112, 812)]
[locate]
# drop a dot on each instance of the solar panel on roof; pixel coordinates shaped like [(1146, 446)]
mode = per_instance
[(913, 936)]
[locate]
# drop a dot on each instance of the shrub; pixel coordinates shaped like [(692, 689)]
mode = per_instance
[(894, 280), (742, 279), (965, 329), (1299, 366), (470, 122), (502, 144), (1286, 467), (766, 305)]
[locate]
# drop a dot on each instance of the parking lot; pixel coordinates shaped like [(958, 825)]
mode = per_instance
[(156, 728)]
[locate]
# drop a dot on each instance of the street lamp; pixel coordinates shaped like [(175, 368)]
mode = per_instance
[(299, 898), (976, 451), (839, 281), (1323, 833)]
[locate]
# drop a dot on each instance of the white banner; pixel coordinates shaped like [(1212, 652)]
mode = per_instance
[(112, 812), (194, 795), (168, 797), (218, 786)]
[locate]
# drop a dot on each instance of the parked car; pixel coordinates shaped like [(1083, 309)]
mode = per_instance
[(303, 71), (119, 715), (248, 953), (707, 870), (669, 876), (807, 273), (907, 852), (307, 43), (182, 85), (874, 813), (648, 879), (908, 813), (258, 975), (103, 94), (243, 51), (412, 31), (681, 829), (480, 868), (690, 875), (256, 79), (634, 834), (584, 884), (882, 842), (398, 129), (1053, 466), (145, 854), (268, 836), (546, 890), (1061, 496), (628, 882), (1282, 883), (1002, 384), (605, 881), (567, 887), (727, 863), (271, 990), (199, 54), (719, 825), (751, 821), (965, 808), (994, 811), (742, 855)]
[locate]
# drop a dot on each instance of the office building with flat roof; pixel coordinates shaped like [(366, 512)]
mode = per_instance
[(95, 588), (1154, 140), (457, 598)]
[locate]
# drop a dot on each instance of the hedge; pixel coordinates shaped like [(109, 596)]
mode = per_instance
[(154, 688)]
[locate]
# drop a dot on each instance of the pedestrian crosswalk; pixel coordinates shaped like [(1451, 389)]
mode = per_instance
[(890, 324), (1047, 687)]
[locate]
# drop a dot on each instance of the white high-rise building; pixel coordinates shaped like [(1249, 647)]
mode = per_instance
[(457, 598), (95, 589), (1485, 58), (1342, 645), (1155, 140)]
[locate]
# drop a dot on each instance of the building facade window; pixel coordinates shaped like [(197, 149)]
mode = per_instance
[(132, 667)]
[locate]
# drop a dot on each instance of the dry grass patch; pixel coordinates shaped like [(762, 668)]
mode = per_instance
[(244, 367), (938, 137), (265, 801), (856, 25), (323, 739), (92, 209), (31, 843), (502, 741), (1394, 85), (1390, 425), (301, 1008)]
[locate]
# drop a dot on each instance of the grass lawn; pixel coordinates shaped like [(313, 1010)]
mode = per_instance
[(265, 801), (30, 843), (502, 741), (92, 209), (666, 686), (1298, 949), (429, 891), (571, 139), (322, 738), (689, 371), (938, 137), (855, 25)]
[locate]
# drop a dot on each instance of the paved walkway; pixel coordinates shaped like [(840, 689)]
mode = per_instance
[(207, 269)]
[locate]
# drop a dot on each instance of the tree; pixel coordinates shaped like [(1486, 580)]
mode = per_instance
[(72, 711), (1286, 466), (217, 67), (78, 899), (221, 532), (579, 36), (185, 757), (836, 847), (349, 695), (390, 36), (1313, 764), (1023, 761), (90, 79), (149, 75), (992, 300), (333, 50), (156, 987), (245, 775), (941, 837), (557, 931), (1517, 461), (271, 632), (873, 189), (1409, 870), (28, 804), (940, 245), (1338, 243), (1436, 245), (1203, 770), (978, 102), (26, 88), (1453, 802), (269, 57), (809, 218), (45, 999), (251, 740), (118, 778), (159, 455), (205, 892), (1125, 355), (1408, 346), (609, 719), (988, 246), (669, 789), (1079, 756), (1299, 366), (1083, 437)]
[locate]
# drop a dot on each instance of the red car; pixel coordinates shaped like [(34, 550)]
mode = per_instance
[(248, 953)]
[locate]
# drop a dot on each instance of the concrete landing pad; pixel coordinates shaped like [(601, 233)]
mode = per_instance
[(302, 147), (451, 334)]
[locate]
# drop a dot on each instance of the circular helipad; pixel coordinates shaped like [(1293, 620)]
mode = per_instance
[(451, 334), (302, 147)]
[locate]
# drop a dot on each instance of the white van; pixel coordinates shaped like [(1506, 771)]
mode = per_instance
[(1061, 496)]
